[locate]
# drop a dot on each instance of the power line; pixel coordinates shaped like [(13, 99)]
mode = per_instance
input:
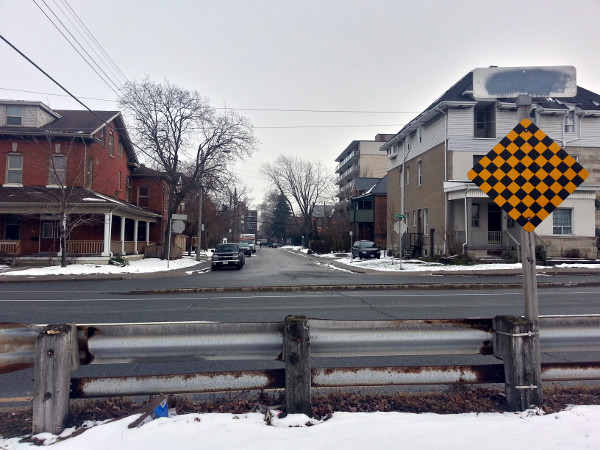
[(338, 111), (56, 95), (333, 126), (89, 33), (75, 48), (48, 75)]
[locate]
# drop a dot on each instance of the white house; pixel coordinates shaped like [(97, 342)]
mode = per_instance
[(447, 214)]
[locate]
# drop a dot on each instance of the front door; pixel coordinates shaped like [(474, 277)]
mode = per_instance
[(48, 237), (494, 224)]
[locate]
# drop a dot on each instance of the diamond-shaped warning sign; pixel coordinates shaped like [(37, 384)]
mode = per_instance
[(528, 175)]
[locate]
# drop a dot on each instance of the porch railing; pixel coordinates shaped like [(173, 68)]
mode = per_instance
[(486, 239), (9, 248), (97, 247), (85, 247)]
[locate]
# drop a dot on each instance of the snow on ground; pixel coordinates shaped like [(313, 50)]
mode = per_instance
[(384, 264), (136, 266), (574, 428)]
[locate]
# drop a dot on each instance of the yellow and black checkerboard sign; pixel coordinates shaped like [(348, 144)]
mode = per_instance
[(528, 175)]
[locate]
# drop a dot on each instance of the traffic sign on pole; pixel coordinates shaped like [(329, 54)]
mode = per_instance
[(528, 175)]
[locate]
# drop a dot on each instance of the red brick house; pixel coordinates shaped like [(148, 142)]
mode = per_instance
[(79, 164), (368, 211)]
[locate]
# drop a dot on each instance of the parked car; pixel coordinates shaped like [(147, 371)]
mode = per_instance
[(228, 255), (365, 249), (246, 248), (273, 245)]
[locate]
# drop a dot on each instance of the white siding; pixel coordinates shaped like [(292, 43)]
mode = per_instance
[(460, 122), (583, 206)]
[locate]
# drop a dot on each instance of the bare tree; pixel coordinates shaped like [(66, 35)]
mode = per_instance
[(302, 182), (183, 136)]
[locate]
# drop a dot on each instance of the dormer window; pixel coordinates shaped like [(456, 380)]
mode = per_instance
[(570, 122), (14, 115), (484, 120)]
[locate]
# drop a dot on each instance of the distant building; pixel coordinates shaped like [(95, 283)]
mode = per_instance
[(361, 159), (250, 224), (368, 213)]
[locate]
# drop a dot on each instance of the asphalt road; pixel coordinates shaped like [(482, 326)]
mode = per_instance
[(197, 296)]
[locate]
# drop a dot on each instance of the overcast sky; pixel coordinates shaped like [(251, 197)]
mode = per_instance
[(376, 63)]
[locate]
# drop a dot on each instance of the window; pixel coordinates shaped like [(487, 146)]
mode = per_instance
[(476, 159), (414, 218), (89, 173), (11, 227), (561, 221), (475, 215), (425, 222), (14, 115), (143, 196), (484, 125), (111, 144), (14, 168), (47, 230), (420, 173), (120, 147), (364, 205), (58, 166), (407, 176), (120, 178), (570, 122)]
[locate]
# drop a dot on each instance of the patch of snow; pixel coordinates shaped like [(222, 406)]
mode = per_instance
[(576, 427)]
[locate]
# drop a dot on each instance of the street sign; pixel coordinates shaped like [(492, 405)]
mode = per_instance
[(179, 216), (528, 175), (399, 216), (178, 226), (510, 82)]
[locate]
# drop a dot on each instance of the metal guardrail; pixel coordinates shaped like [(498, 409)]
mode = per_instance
[(56, 350), (188, 341)]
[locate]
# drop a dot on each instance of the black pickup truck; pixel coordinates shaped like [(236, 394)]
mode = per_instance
[(228, 255)]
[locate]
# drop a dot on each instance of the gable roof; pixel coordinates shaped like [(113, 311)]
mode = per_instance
[(71, 123), (460, 94)]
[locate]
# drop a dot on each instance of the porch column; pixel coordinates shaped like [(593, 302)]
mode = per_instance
[(147, 233), (107, 221), (122, 235), (136, 224)]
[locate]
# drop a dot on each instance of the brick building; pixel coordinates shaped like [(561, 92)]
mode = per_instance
[(78, 168)]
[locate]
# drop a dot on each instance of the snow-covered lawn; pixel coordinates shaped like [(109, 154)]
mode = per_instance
[(574, 428), (384, 264)]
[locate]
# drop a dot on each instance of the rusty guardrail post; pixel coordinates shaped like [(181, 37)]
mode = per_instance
[(296, 355), (515, 344), (56, 356)]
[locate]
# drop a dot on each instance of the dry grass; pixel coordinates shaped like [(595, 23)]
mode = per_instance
[(452, 401)]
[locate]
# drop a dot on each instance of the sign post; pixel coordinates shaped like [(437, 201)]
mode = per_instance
[(401, 230), (528, 175)]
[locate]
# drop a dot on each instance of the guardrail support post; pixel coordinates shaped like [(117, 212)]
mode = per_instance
[(56, 355), (296, 355), (514, 343)]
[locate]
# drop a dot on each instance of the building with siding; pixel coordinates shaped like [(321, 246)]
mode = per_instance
[(78, 168), (361, 159), (368, 213), (446, 214)]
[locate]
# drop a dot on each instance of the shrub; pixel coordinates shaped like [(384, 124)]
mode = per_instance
[(319, 247)]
